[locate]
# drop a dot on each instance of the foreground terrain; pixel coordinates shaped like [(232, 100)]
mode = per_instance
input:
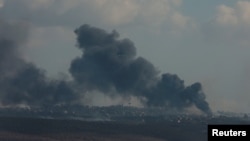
[(172, 129)]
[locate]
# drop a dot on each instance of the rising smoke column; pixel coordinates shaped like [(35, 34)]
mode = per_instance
[(22, 82), (110, 64)]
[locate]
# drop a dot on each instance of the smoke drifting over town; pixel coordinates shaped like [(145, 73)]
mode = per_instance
[(108, 65)]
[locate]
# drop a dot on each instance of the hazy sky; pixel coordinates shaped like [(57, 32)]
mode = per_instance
[(200, 41)]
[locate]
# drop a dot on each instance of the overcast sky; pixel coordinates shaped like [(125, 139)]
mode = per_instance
[(200, 41)]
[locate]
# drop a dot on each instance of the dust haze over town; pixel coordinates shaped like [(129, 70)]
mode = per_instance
[(128, 59)]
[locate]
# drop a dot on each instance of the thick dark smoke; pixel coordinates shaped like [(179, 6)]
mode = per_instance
[(22, 82), (110, 64)]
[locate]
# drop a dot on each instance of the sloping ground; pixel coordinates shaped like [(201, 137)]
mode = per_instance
[(12, 136), (34, 129)]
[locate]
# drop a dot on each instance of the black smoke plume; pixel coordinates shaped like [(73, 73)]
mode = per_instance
[(22, 82), (110, 64)]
